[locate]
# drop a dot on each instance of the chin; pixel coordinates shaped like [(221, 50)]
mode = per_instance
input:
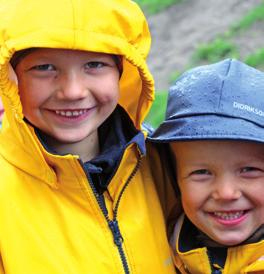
[(232, 241), (69, 139), (65, 137)]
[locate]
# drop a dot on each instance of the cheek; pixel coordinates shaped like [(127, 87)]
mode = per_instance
[(257, 199), (25, 95), (109, 93), (30, 96), (191, 207), (254, 193), (186, 197), (258, 202), (192, 198)]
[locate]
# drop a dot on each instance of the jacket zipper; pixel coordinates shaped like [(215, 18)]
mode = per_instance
[(113, 224), (214, 270)]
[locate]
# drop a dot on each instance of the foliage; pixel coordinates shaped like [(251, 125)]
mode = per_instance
[(157, 111), (215, 51), (221, 47), (256, 14), (256, 59), (155, 6)]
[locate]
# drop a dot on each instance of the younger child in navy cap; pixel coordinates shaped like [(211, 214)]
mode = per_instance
[(214, 126)]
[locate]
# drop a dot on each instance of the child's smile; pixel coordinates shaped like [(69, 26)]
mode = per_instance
[(71, 116)]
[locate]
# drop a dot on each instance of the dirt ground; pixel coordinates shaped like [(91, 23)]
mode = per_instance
[(177, 31)]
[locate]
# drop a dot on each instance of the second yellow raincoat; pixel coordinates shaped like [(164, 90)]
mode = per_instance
[(242, 259)]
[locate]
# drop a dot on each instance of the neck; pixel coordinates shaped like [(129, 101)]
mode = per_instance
[(86, 149)]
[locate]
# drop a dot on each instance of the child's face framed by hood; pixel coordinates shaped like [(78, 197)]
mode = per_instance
[(68, 94)]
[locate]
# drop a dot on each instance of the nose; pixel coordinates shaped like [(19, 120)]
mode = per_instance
[(226, 189), (71, 86)]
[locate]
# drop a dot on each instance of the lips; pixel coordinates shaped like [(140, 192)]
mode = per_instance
[(71, 116), (231, 217)]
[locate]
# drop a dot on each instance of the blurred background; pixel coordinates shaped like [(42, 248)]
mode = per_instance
[(187, 33)]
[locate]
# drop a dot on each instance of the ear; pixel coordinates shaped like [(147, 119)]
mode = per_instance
[(12, 74)]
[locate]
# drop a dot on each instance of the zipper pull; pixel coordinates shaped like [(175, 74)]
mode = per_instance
[(118, 239)]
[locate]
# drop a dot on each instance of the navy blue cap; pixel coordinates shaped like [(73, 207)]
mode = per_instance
[(222, 101)]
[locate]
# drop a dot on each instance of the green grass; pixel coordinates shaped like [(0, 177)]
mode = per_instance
[(256, 59), (221, 47), (155, 6), (255, 15), (215, 51), (158, 109)]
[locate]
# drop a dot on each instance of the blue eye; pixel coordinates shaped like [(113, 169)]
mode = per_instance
[(43, 67), (251, 172), (247, 169)]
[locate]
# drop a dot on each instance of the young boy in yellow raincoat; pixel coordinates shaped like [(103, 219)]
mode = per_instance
[(76, 192)]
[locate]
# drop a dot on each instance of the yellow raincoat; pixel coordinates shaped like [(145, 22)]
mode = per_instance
[(242, 259), (50, 219)]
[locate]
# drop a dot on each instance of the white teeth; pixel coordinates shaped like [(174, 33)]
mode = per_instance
[(229, 215), (69, 113)]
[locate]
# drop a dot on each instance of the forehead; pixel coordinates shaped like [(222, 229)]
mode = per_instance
[(58, 54), (213, 149)]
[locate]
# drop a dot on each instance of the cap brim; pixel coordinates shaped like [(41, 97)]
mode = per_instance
[(207, 127)]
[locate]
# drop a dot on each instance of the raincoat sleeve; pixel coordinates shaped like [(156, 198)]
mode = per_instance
[(162, 169)]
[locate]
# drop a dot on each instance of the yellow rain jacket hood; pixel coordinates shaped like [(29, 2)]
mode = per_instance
[(52, 219), (116, 27)]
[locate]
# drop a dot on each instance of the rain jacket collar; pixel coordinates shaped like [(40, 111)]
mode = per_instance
[(188, 248)]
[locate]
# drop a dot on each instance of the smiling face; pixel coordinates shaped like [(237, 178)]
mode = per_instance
[(222, 186), (68, 94)]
